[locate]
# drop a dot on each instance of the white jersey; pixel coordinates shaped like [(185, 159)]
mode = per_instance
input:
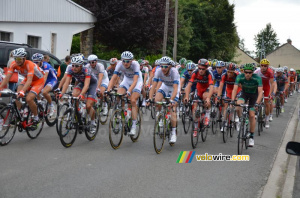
[(134, 69), (99, 68), (172, 78)]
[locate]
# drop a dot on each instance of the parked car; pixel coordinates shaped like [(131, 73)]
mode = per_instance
[(7, 47)]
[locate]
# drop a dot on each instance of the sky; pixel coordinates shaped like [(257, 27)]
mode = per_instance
[(251, 16)]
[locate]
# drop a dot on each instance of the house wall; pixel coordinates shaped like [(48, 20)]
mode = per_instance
[(242, 58)]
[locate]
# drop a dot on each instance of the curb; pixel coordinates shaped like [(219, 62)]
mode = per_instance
[(280, 182)]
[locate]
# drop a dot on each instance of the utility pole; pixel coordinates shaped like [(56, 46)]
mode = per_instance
[(262, 49), (166, 28), (175, 32)]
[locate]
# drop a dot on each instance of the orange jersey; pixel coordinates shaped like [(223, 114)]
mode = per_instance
[(292, 76), (28, 69)]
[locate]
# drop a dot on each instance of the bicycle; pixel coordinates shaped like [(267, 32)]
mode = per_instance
[(100, 107), (187, 118), (121, 122), (278, 103), (50, 120), (11, 118), (261, 117), (75, 120), (162, 126), (229, 124), (244, 134), (203, 129)]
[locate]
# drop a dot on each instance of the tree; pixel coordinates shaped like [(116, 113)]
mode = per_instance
[(270, 40)]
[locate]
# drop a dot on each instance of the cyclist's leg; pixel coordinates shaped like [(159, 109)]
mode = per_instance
[(36, 88), (208, 105), (266, 102), (91, 99), (46, 94), (18, 103)]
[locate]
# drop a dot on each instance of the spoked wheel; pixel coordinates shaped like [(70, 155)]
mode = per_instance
[(246, 140), (195, 137), (186, 119), (9, 125), (233, 125), (68, 128), (34, 131), (277, 107), (226, 129), (240, 139), (61, 109), (259, 121), (152, 109), (116, 129), (204, 129), (138, 127), (218, 125), (213, 118), (103, 116), (159, 134), (51, 119)]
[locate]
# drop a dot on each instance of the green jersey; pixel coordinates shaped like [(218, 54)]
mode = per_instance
[(181, 70), (251, 85)]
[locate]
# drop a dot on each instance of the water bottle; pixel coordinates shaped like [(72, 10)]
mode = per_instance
[(1, 124), (25, 112), (128, 114)]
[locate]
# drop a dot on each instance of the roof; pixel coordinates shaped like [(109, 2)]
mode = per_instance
[(247, 54), (46, 11), (281, 47)]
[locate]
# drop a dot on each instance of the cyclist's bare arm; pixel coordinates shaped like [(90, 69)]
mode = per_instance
[(100, 77), (235, 88), (27, 84), (260, 94), (5, 80), (112, 82), (175, 90), (152, 90), (272, 85), (66, 85)]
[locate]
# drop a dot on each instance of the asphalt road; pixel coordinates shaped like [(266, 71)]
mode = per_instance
[(44, 168)]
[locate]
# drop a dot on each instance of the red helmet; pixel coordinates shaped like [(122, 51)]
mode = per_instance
[(203, 62), (231, 66)]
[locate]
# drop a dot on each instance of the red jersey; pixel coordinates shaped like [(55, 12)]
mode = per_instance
[(265, 76), (229, 82), (203, 81)]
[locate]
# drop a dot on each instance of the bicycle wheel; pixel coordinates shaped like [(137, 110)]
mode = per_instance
[(246, 140), (213, 119), (278, 107), (232, 126), (116, 129), (34, 132), (204, 129), (138, 127), (186, 119), (226, 128), (218, 124), (159, 134), (8, 129), (91, 136), (103, 118), (195, 138), (68, 128), (61, 109), (152, 109), (259, 121), (2, 105), (51, 120), (241, 139)]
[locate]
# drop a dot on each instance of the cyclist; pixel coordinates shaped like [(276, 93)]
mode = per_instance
[(293, 79), (110, 69), (204, 87), (182, 68), (286, 73), (87, 85), (242, 69), (267, 76), (33, 82), (251, 90), (217, 75), (167, 79), (282, 85), (153, 72), (298, 81), (100, 72), (145, 74), (132, 83), (50, 78), (185, 78)]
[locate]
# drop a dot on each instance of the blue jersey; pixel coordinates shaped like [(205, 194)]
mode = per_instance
[(187, 78), (218, 77), (52, 75)]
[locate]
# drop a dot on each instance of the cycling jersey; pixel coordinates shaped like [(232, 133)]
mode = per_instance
[(144, 71), (181, 70), (298, 77), (99, 69), (203, 81), (218, 77), (229, 82), (130, 72), (281, 81), (292, 76), (82, 75), (249, 86), (28, 69), (52, 75), (186, 76), (154, 69), (168, 81), (266, 77)]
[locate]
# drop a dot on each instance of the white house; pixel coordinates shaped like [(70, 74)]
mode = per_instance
[(45, 24)]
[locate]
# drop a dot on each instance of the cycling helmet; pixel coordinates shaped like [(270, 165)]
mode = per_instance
[(203, 62), (146, 62), (182, 61), (127, 55), (173, 63), (37, 57), (20, 52), (280, 69), (113, 61), (242, 67), (165, 60), (249, 66), (140, 61), (231, 66), (218, 64), (92, 57), (77, 60), (190, 66), (265, 62), (157, 62), (292, 70), (285, 68)]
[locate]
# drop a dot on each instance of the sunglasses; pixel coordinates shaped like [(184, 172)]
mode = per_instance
[(36, 62), (92, 62), (219, 67), (164, 66), (230, 72), (190, 70), (76, 66), (264, 65), (202, 69), (126, 61), (248, 72), (18, 58)]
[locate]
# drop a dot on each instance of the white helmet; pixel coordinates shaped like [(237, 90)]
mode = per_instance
[(292, 69), (285, 67), (20, 52), (113, 61), (77, 60), (165, 60), (280, 69), (92, 57), (157, 62), (127, 55)]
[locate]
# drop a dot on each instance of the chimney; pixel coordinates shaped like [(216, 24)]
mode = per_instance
[(289, 41)]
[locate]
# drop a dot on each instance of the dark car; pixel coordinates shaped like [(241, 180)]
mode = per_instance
[(7, 47)]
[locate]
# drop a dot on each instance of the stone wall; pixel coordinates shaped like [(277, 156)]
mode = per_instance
[(86, 42)]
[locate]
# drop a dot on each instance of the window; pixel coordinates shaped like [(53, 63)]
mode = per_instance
[(34, 41), (5, 36)]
